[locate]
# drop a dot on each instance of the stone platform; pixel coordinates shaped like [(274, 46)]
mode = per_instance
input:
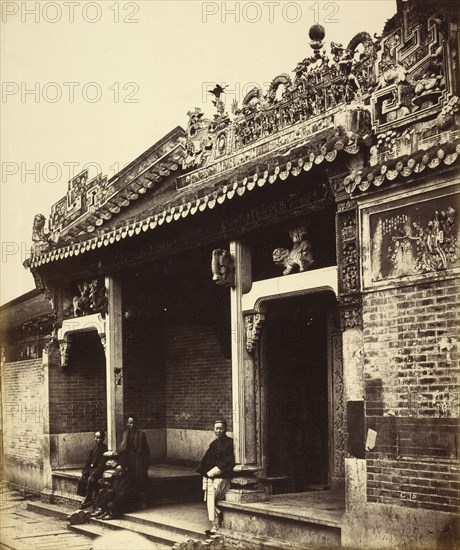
[(167, 483), (294, 521), (307, 520)]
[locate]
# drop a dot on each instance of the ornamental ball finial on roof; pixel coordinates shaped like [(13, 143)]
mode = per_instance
[(316, 34)]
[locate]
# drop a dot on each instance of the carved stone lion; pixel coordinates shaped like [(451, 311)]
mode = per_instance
[(82, 303), (301, 254), (98, 297)]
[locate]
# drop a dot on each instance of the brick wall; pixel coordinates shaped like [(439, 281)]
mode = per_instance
[(23, 411), (144, 378), (77, 394), (412, 394), (198, 378)]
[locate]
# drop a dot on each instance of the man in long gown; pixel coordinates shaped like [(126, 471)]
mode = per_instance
[(217, 468)]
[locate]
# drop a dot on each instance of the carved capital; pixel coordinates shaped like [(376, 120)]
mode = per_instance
[(351, 317), (253, 326)]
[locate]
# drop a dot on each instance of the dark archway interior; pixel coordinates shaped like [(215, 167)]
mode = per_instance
[(295, 336)]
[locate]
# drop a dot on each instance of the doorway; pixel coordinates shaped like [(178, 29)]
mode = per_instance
[(297, 390)]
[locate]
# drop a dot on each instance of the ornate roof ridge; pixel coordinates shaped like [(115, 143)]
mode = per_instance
[(90, 203)]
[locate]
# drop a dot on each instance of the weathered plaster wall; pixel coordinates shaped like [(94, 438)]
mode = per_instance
[(24, 408)]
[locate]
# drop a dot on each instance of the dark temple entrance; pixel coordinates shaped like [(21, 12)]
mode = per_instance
[(297, 391)]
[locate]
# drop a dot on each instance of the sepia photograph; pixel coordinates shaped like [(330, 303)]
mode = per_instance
[(229, 296)]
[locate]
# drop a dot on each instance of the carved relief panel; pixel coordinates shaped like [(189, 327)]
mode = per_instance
[(411, 238), (348, 260)]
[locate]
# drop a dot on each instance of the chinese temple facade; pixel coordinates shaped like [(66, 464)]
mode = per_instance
[(291, 266)]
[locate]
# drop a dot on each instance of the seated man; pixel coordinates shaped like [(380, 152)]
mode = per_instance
[(118, 495), (216, 467), (88, 485)]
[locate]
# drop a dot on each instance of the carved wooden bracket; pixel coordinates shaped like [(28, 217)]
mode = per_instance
[(223, 267), (103, 341), (64, 349), (253, 326)]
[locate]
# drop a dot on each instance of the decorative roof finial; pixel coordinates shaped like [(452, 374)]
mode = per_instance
[(316, 34)]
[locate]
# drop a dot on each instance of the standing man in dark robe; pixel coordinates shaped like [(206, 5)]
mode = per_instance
[(217, 468), (88, 485), (134, 453)]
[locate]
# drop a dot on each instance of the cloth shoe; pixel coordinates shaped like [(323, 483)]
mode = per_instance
[(86, 504)]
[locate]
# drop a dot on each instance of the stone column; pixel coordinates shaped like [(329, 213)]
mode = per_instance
[(113, 346), (245, 486), (350, 306)]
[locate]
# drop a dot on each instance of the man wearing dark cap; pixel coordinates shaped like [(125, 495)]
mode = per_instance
[(216, 468), (134, 453), (88, 485)]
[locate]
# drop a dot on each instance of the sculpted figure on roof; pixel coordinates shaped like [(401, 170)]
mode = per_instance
[(41, 242)]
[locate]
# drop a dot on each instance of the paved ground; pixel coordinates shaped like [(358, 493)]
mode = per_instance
[(22, 529)]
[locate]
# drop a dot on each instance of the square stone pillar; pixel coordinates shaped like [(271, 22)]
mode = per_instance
[(246, 487), (113, 346)]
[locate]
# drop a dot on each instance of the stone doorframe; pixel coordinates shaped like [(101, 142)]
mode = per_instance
[(253, 308), (109, 329)]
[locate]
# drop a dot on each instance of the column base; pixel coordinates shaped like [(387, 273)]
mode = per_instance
[(257, 493), (246, 486)]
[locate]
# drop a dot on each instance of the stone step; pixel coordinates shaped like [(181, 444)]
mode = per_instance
[(57, 511), (96, 530), (179, 528), (263, 542), (166, 534)]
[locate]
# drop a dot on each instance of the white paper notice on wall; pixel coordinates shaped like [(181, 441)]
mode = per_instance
[(370, 439)]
